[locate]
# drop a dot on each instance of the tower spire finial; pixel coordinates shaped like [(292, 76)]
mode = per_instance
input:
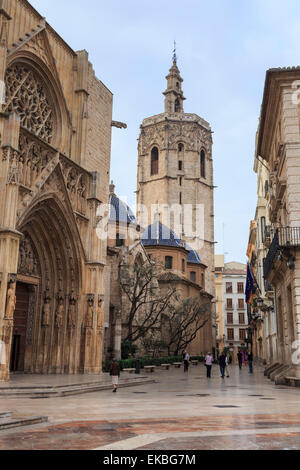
[(174, 95), (175, 52)]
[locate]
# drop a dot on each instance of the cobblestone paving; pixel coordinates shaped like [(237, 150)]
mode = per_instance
[(179, 411)]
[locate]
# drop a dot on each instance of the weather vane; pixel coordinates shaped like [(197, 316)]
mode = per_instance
[(174, 52)]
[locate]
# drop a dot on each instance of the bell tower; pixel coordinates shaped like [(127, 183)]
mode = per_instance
[(175, 168), (174, 95)]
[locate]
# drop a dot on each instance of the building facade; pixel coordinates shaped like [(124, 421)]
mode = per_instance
[(55, 128), (232, 310), (124, 247), (182, 269), (175, 176), (175, 268), (262, 310), (279, 146)]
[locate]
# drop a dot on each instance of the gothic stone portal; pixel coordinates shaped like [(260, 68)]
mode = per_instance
[(45, 334), (50, 288)]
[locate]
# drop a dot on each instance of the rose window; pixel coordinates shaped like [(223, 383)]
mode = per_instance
[(27, 96)]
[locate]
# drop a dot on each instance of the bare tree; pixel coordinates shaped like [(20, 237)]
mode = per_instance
[(146, 303), (183, 322)]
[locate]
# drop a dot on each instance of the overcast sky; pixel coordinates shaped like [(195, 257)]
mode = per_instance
[(224, 50)]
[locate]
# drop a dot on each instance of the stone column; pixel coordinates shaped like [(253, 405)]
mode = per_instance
[(59, 327), (118, 335), (99, 331), (4, 30), (72, 320), (87, 335), (9, 236)]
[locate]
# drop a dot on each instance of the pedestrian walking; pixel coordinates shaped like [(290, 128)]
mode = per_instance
[(250, 362), (227, 366), (186, 361), (246, 358), (208, 363), (222, 364), (240, 359), (115, 373)]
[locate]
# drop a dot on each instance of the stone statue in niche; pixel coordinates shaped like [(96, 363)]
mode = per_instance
[(100, 313), (59, 316), (27, 260), (30, 262), (72, 313), (90, 313), (46, 312), (11, 301)]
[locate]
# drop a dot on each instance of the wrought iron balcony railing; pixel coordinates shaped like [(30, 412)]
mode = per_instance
[(284, 237)]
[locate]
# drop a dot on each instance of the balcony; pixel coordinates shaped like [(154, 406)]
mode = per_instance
[(284, 238)]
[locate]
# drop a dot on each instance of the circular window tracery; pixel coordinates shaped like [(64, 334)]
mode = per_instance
[(27, 95)]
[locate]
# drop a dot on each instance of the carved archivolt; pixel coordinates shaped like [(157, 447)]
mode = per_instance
[(28, 96)]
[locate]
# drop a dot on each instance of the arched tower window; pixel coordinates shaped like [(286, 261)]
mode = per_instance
[(154, 161), (202, 164), (177, 106)]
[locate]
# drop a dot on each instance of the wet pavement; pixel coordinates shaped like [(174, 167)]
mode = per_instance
[(178, 411)]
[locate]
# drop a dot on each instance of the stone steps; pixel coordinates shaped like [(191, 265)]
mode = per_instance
[(6, 414), (9, 422), (37, 392)]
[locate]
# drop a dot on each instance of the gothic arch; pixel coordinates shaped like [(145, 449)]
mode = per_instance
[(203, 163), (154, 156), (59, 259)]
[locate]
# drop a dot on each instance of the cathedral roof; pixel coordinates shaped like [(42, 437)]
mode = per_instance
[(158, 234), (193, 256), (120, 212)]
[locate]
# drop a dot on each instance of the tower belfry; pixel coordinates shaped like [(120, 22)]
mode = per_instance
[(174, 95), (175, 173)]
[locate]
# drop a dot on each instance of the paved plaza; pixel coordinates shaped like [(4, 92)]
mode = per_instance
[(178, 411)]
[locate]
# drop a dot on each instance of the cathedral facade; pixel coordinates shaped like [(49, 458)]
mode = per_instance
[(55, 126)]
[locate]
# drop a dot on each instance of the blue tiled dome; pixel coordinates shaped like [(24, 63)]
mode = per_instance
[(160, 235), (120, 212), (193, 256)]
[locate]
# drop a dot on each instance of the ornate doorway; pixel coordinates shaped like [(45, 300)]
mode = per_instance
[(17, 360), (49, 259)]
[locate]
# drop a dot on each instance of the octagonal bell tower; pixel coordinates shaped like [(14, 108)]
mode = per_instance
[(175, 168)]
